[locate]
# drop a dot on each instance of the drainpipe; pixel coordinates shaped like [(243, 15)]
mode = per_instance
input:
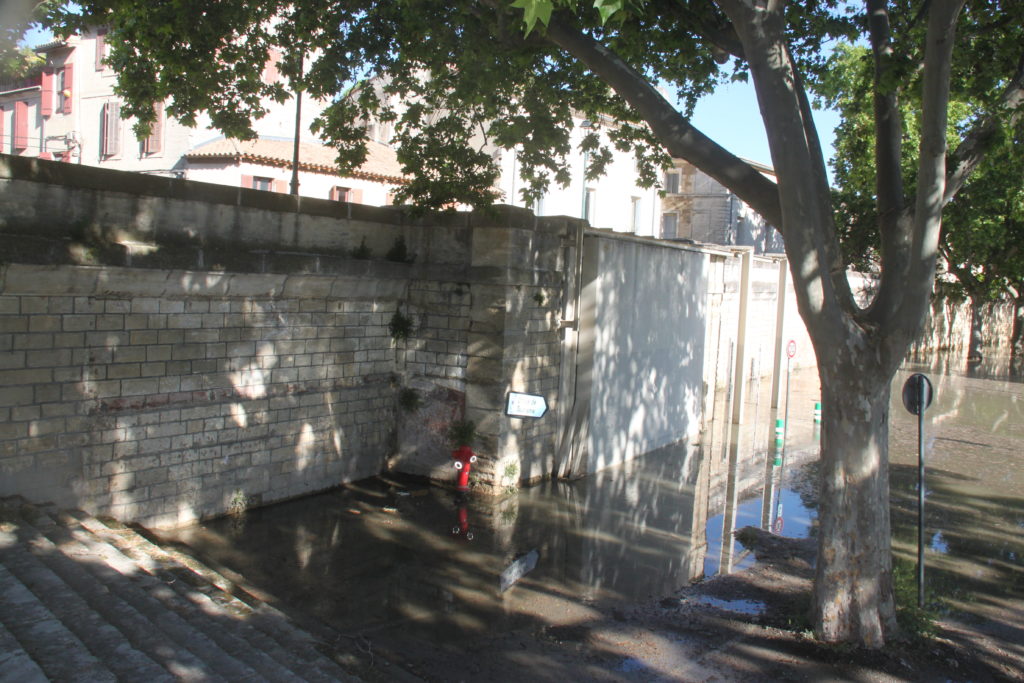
[(739, 375), (780, 319)]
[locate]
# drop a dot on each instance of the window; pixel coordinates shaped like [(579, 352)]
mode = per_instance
[(340, 194), (260, 183), (111, 143), (101, 49), (669, 225), (19, 128), (671, 183), (153, 144), (634, 214)]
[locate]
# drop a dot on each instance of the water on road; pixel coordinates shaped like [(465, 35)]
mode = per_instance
[(393, 558)]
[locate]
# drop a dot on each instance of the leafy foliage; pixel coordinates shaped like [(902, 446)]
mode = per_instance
[(982, 225)]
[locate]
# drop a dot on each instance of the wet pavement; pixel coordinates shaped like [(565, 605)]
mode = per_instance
[(396, 560)]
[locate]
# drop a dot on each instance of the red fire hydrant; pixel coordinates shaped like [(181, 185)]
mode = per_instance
[(463, 457)]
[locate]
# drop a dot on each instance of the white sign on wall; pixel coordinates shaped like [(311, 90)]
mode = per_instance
[(525, 405)]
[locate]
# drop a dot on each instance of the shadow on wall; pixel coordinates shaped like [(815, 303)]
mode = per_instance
[(191, 401), (648, 355)]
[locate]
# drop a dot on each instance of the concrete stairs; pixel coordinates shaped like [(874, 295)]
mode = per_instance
[(88, 600)]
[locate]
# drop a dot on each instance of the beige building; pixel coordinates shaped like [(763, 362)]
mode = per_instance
[(69, 112)]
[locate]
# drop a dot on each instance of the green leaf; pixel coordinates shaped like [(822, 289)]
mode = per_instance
[(607, 8), (534, 10)]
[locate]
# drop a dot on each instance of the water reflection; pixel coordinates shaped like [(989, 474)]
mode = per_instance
[(401, 560), (389, 557), (974, 510)]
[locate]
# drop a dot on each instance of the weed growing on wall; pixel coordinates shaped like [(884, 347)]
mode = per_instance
[(362, 251), (409, 400), (399, 252), (400, 327)]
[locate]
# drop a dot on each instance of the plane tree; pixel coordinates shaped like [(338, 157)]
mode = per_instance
[(468, 72), (982, 234)]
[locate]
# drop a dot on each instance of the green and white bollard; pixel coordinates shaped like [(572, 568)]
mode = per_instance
[(817, 413), (780, 431)]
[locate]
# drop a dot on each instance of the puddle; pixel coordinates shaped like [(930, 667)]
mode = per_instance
[(631, 665), (398, 560), (749, 607)]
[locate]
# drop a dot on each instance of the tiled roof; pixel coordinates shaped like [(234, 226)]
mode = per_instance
[(381, 162)]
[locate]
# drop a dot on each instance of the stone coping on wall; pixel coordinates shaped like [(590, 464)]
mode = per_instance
[(80, 215)]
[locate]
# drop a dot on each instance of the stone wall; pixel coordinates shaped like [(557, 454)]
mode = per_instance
[(170, 350)]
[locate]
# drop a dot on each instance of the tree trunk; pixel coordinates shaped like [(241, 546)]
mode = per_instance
[(853, 587), (1017, 337), (974, 347)]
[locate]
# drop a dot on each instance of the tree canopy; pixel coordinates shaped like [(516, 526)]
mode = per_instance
[(515, 74)]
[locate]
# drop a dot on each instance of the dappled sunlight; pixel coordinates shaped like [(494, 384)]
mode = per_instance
[(305, 447)]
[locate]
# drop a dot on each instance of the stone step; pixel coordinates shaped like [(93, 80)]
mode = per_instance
[(16, 665), (192, 600), (140, 622), (179, 621), (268, 629), (40, 634), (102, 638), (125, 608)]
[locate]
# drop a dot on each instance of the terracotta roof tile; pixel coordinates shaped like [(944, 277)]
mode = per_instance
[(381, 162)]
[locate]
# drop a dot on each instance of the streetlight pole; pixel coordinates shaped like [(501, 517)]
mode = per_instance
[(585, 126)]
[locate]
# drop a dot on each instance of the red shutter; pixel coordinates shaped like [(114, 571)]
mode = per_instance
[(68, 86), (101, 49), (47, 156), (20, 142), (46, 101), (389, 199), (247, 181), (281, 186), (355, 196)]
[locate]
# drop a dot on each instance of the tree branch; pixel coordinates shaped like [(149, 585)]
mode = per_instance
[(680, 138), (722, 36), (970, 152), (904, 319)]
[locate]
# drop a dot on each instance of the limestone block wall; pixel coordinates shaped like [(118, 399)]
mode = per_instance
[(170, 350), (127, 393)]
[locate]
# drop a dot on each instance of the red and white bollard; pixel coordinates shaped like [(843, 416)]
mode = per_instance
[(463, 457)]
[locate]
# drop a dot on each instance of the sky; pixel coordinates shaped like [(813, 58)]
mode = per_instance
[(731, 118)]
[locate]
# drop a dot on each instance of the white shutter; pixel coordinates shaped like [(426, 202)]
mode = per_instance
[(111, 128)]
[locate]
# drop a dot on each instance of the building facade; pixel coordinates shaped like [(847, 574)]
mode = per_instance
[(70, 113)]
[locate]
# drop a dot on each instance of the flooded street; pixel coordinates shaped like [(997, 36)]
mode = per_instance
[(400, 562)]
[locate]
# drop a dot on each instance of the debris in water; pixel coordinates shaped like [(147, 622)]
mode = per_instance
[(518, 569), (389, 508)]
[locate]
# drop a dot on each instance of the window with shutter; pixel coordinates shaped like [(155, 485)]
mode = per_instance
[(154, 143), (47, 96), (669, 225), (19, 127), (671, 183), (266, 184), (67, 87), (339, 194), (111, 128), (101, 50)]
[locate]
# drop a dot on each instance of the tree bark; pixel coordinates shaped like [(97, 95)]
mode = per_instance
[(977, 339), (1017, 337), (853, 588)]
